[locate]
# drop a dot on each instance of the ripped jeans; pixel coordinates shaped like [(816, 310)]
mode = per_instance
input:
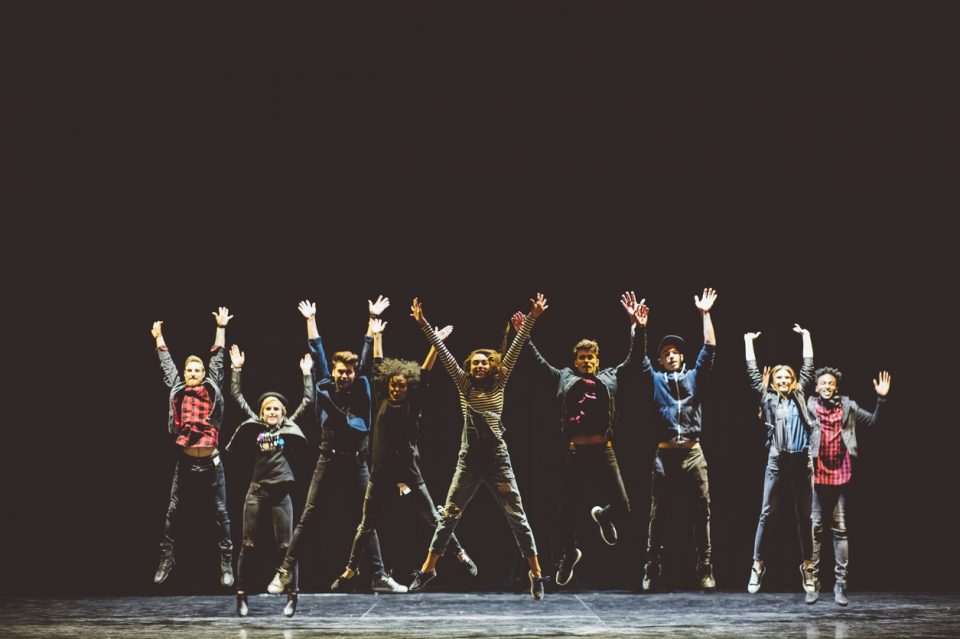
[(484, 462), (261, 498)]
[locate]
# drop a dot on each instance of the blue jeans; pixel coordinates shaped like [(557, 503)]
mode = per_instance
[(792, 472), (202, 478), (833, 500), (484, 462)]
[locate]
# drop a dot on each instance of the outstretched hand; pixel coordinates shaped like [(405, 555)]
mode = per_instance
[(883, 385), (706, 302), (157, 329), (237, 357), (538, 305), (378, 307), (444, 333), (416, 312), (306, 364), (517, 320), (751, 336), (766, 376), (307, 308), (802, 331), (222, 317), (377, 325)]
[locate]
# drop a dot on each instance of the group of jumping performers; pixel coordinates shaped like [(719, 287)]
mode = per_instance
[(811, 442)]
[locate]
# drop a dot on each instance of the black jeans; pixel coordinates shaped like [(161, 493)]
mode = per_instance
[(679, 473), (586, 463), (198, 478), (793, 472), (374, 504), (337, 476), (833, 500), (484, 462), (262, 498)]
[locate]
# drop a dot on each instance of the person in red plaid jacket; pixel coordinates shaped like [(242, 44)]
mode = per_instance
[(196, 412), (835, 445)]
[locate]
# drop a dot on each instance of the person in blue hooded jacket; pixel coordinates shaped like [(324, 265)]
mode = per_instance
[(680, 468)]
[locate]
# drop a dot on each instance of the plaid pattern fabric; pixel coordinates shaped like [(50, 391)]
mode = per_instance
[(833, 468), (195, 408)]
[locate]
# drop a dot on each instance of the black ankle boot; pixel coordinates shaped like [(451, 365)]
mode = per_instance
[(166, 564), (242, 608), (290, 609), (226, 567)]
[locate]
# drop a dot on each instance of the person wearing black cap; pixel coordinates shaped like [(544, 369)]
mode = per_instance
[(587, 398), (680, 469), (270, 434), (344, 410)]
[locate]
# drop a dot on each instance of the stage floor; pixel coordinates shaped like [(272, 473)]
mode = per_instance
[(590, 614)]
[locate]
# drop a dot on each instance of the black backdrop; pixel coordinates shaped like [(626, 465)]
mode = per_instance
[(170, 161)]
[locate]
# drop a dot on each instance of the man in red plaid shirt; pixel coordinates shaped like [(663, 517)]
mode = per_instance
[(834, 445), (196, 412)]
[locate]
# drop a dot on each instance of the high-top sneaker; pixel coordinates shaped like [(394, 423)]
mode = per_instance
[(242, 608), (226, 567), (290, 609)]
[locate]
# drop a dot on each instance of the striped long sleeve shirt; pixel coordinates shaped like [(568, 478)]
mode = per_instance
[(482, 400)]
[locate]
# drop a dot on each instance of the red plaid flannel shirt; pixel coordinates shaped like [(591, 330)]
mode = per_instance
[(834, 458), (195, 408)]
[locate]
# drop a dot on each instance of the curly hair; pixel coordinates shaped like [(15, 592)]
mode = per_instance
[(828, 370), (392, 367)]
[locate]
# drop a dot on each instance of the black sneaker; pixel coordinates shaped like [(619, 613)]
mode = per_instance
[(421, 579), (536, 586), (242, 608), (840, 594), (464, 559), (608, 532), (705, 574), (226, 568), (166, 565), (290, 609), (651, 576), (280, 581), (565, 571), (345, 584)]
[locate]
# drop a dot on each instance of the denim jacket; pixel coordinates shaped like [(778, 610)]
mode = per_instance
[(769, 398), (344, 429)]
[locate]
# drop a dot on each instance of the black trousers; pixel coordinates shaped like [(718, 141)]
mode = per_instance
[(263, 499), (198, 478), (586, 463), (378, 495), (337, 477), (679, 474)]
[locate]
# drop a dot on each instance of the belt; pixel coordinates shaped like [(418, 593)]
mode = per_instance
[(332, 452), (672, 443), (606, 444), (776, 451)]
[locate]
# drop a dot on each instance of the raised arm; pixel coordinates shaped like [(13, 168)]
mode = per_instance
[(538, 306), (237, 359), (517, 321), (806, 369), (639, 313), (431, 358), (215, 368), (753, 372), (375, 329), (321, 369), (449, 362), (170, 373), (704, 305), (306, 368)]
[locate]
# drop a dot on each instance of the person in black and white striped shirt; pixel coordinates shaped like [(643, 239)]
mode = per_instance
[(484, 458)]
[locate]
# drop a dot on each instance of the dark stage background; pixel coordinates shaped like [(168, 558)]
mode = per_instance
[(170, 160)]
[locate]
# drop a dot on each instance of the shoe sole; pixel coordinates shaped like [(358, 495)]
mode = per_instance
[(575, 562), (593, 514), (423, 584)]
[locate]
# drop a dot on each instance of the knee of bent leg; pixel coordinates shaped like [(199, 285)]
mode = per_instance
[(839, 529), (510, 498)]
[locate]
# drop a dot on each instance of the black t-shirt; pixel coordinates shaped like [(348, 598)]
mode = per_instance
[(586, 408), (271, 465)]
